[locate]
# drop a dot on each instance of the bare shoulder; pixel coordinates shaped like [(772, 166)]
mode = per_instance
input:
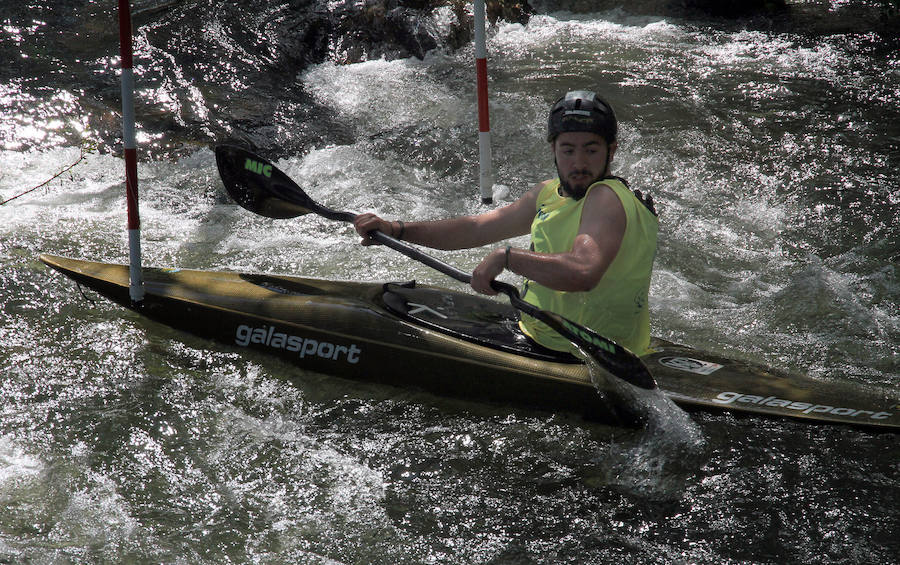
[(603, 210), (535, 190), (511, 220), (528, 200), (603, 195)]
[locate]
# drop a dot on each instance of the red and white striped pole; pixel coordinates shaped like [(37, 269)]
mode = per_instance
[(485, 176), (136, 289)]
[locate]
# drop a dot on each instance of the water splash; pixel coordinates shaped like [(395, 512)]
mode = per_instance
[(656, 462)]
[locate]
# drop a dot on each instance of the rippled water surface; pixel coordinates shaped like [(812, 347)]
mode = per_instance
[(771, 151)]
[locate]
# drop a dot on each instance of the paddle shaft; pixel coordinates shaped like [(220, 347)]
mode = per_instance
[(558, 323), (449, 270), (417, 255)]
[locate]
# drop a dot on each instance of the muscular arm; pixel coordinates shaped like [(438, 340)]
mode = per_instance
[(596, 245), (463, 232)]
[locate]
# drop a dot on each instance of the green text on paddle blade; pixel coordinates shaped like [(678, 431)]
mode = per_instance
[(258, 168), (606, 346)]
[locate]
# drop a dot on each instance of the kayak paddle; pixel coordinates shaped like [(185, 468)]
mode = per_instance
[(259, 186)]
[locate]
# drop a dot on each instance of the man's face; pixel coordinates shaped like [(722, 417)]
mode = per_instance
[(581, 159)]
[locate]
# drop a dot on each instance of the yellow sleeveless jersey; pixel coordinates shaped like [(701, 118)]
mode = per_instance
[(617, 307)]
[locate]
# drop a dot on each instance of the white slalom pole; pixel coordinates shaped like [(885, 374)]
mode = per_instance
[(486, 175), (136, 289)]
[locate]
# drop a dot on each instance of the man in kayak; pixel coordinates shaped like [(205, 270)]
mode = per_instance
[(593, 240)]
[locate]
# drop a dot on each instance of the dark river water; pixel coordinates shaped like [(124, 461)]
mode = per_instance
[(770, 145)]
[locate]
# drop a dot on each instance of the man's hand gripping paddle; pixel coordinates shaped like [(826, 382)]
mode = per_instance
[(259, 186)]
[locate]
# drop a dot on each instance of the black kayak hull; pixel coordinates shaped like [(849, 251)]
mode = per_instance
[(452, 343)]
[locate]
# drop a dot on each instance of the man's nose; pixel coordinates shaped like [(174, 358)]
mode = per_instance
[(580, 159)]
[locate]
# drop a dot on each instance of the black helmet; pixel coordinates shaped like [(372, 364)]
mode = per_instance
[(582, 110)]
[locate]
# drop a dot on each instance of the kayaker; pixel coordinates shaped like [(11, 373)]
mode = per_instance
[(593, 240)]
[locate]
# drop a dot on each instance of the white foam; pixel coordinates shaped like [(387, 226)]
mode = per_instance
[(16, 464), (648, 463), (380, 94)]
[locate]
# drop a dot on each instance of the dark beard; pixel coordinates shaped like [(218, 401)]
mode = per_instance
[(576, 193)]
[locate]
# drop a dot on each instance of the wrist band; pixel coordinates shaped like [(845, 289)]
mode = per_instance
[(508, 247), (402, 229)]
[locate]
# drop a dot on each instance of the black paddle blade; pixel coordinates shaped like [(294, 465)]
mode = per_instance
[(608, 354), (257, 185), (617, 360)]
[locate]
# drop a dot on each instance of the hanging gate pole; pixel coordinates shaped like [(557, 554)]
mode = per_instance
[(485, 176), (136, 289)]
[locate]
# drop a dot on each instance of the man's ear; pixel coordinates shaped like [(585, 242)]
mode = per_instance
[(612, 150)]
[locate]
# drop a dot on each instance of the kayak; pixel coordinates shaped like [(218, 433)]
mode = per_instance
[(452, 343)]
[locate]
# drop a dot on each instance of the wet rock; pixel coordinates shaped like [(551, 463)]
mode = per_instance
[(512, 11), (380, 28), (728, 8), (369, 29)]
